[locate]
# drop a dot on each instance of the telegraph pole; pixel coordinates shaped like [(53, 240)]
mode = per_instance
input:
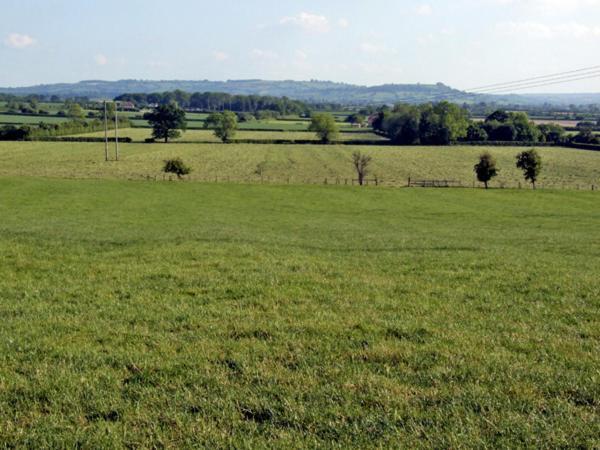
[(116, 132), (105, 133)]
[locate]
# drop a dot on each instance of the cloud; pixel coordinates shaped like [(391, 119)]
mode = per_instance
[(343, 23), (308, 22), (554, 6), (263, 54), (301, 55), (376, 49), (16, 40), (220, 56), (101, 60), (424, 10), (538, 30)]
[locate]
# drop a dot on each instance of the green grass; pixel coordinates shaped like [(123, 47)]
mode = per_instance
[(19, 119), (299, 163), (146, 314), (193, 135)]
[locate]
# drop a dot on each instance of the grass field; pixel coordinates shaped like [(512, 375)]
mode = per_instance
[(286, 125), (140, 134), (20, 119), (299, 163), (173, 315)]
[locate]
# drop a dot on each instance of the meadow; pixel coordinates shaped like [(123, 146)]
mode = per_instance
[(296, 164), (207, 136), (145, 314)]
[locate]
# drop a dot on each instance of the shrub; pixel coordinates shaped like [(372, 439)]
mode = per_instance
[(176, 166)]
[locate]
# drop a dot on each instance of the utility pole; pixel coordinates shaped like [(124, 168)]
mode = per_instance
[(116, 132), (105, 133)]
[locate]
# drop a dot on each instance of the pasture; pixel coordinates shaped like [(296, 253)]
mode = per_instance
[(297, 164), (195, 135), (145, 314)]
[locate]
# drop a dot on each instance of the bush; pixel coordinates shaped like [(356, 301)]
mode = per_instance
[(176, 166)]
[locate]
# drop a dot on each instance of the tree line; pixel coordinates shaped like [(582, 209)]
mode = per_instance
[(445, 123), (216, 101)]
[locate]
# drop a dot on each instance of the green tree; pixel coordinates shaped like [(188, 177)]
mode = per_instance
[(224, 124), (356, 119), (75, 111), (361, 165), (176, 166), (530, 162), (167, 121), (552, 132), (476, 133), (486, 168), (324, 125)]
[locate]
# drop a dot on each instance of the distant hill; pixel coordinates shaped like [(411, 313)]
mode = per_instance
[(308, 91)]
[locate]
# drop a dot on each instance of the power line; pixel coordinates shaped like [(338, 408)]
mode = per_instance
[(537, 85), (554, 75)]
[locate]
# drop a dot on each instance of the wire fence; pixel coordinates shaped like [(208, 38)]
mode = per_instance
[(376, 182)]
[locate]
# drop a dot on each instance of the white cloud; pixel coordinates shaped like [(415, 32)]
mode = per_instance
[(220, 56), (343, 23), (424, 10), (538, 30), (376, 49), (301, 55), (101, 60), (554, 6), (308, 22), (263, 54), (16, 40)]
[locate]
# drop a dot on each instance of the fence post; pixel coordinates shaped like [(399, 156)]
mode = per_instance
[(409, 181)]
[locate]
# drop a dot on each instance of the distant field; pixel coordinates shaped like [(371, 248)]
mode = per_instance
[(19, 119), (285, 125), (139, 134), (188, 315), (298, 163)]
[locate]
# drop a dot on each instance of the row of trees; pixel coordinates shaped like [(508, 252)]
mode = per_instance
[(168, 121), (444, 123), (530, 162), (216, 101)]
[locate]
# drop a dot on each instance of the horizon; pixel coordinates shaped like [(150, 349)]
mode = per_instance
[(540, 93), (462, 45)]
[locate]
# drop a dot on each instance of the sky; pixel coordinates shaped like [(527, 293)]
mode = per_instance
[(462, 43)]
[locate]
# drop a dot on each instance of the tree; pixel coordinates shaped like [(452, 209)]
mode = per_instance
[(224, 124), (361, 164), (552, 132), (167, 121), (486, 168), (530, 162), (324, 125), (476, 133), (356, 119), (177, 167), (75, 111)]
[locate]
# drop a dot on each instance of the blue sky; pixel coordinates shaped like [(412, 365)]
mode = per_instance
[(463, 43)]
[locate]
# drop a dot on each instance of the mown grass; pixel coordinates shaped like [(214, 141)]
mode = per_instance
[(186, 314), (563, 167)]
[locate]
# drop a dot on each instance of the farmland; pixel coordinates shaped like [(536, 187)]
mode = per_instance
[(563, 167), (296, 316), (194, 135)]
